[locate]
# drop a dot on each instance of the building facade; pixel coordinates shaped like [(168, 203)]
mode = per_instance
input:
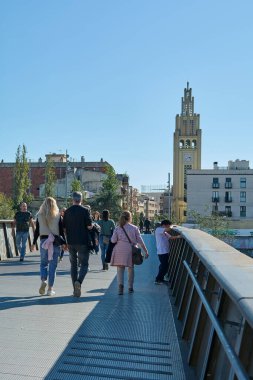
[(186, 153), (61, 167), (227, 191)]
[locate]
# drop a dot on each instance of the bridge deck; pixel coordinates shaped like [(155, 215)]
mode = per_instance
[(99, 336)]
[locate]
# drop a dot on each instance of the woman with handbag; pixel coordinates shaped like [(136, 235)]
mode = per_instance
[(48, 224), (125, 235)]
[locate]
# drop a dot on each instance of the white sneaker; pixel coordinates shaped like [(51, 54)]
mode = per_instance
[(51, 292), (42, 289)]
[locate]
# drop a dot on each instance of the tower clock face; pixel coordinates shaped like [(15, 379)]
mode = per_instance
[(187, 157)]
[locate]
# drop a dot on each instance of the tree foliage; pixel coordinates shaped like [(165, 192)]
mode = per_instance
[(215, 224), (50, 178), (76, 185), (6, 207), (22, 181), (109, 196)]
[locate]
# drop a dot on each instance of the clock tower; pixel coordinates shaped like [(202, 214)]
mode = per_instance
[(187, 152)]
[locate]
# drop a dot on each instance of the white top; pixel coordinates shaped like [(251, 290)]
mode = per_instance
[(162, 241)]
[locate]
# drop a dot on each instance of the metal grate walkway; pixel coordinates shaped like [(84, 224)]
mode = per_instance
[(99, 336)]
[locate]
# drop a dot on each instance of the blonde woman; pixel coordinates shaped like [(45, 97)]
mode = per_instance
[(48, 223), (122, 251)]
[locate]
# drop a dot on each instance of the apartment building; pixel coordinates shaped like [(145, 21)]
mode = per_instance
[(224, 190)]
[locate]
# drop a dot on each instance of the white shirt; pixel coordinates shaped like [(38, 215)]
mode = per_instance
[(162, 241)]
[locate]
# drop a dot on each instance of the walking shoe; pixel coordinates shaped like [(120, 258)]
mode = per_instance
[(77, 289), (21, 259), (158, 282), (51, 292), (106, 266), (121, 290), (130, 290), (42, 289), (103, 267)]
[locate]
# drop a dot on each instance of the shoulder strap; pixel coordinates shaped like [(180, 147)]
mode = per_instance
[(126, 235)]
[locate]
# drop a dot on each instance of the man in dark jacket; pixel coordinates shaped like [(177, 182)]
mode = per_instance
[(77, 223)]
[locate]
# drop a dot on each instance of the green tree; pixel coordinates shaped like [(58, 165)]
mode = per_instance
[(109, 196), (135, 218), (6, 207), (22, 181), (76, 185), (50, 178), (214, 223)]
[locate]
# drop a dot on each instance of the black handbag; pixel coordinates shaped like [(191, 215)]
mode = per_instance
[(136, 251), (108, 254), (59, 240)]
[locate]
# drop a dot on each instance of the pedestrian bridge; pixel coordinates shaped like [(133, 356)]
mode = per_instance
[(199, 327)]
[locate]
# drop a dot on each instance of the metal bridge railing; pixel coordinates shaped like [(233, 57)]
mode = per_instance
[(212, 286), (8, 248)]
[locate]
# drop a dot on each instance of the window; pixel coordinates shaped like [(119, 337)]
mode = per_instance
[(228, 197), (215, 184), (228, 183), (243, 183), (215, 197), (228, 211), (243, 196), (242, 211)]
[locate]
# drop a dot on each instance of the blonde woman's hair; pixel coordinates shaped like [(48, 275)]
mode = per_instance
[(126, 217), (49, 209)]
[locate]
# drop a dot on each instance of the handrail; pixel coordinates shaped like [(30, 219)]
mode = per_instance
[(231, 355), (211, 283)]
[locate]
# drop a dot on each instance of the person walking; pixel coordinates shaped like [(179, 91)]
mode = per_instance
[(95, 232), (48, 225), (77, 223), (107, 227), (147, 225), (22, 221), (122, 251), (163, 237)]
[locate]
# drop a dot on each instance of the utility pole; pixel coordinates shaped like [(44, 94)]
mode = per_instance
[(169, 197)]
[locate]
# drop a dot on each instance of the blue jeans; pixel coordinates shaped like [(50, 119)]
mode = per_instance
[(103, 248), (21, 240), (81, 253), (48, 268)]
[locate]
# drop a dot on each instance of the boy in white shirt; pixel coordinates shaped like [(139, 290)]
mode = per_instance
[(163, 238)]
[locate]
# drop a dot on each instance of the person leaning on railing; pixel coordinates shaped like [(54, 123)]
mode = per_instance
[(163, 237)]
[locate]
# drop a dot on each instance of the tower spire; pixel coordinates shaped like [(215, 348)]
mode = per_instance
[(187, 102)]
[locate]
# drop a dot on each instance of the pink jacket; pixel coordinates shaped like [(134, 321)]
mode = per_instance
[(49, 245)]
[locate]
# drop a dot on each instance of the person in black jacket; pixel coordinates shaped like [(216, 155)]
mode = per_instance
[(77, 224)]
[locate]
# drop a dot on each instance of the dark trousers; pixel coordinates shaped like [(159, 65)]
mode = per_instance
[(81, 253), (163, 267)]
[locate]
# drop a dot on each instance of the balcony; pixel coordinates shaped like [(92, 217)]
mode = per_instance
[(228, 214), (215, 185), (228, 185), (228, 199), (215, 199)]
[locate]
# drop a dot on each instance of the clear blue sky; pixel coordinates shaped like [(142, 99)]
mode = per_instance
[(104, 78)]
